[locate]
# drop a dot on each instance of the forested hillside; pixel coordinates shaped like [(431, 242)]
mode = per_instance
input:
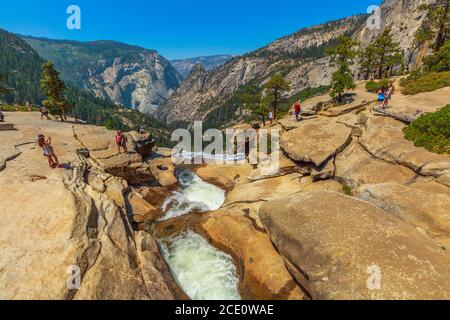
[(21, 68), (128, 75)]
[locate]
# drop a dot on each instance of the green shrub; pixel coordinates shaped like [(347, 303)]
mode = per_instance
[(9, 108), (347, 190), (431, 131), (425, 82), (375, 86)]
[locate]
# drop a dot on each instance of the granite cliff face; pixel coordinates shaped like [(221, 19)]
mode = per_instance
[(185, 66), (128, 75), (295, 56), (300, 57), (404, 18)]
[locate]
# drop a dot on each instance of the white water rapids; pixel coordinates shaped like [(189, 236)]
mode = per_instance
[(201, 270), (195, 194)]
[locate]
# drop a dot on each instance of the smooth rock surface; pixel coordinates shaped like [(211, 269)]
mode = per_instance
[(336, 246), (384, 139), (53, 223), (315, 141), (428, 211), (355, 166), (263, 273)]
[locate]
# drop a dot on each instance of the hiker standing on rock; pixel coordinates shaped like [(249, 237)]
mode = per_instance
[(297, 110), (121, 141), (271, 117), (388, 96), (46, 145), (44, 113), (2, 116), (381, 99)]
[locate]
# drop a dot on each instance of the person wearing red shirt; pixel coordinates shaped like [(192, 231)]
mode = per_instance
[(297, 110)]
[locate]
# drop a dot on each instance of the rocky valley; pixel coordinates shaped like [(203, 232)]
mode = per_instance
[(185, 66), (131, 76), (351, 203), (298, 241), (299, 57)]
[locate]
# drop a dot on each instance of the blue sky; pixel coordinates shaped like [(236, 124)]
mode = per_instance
[(176, 28)]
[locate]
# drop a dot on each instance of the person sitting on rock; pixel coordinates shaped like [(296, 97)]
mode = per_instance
[(48, 151), (121, 141)]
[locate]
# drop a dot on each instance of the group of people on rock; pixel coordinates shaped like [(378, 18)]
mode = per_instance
[(384, 96), (49, 152), (296, 108)]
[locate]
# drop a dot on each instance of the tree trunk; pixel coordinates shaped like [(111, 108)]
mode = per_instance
[(440, 39), (380, 67), (275, 104)]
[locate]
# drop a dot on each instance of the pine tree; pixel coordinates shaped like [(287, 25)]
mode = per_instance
[(387, 53), (275, 88), (342, 56), (440, 60), (367, 61), (53, 88), (251, 100), (437, 24)]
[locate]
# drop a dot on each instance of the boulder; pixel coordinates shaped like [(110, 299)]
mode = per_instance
[(116, 189), (265, 190), (339, 247), (103, 151), (163, 170), (140, 210), (290, 123), (56, 227), (155, 195), (281, 166), (341, 110), (384, 139), (355, 166), (95, 182), (225, 176), (94, 241), (263, 273), (142, 143), (326, 171), (427, 211), (316, 141)]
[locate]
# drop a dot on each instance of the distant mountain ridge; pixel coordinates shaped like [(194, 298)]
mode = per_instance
[(129, 75), (21, 67), (185, 66), (300, 57)]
